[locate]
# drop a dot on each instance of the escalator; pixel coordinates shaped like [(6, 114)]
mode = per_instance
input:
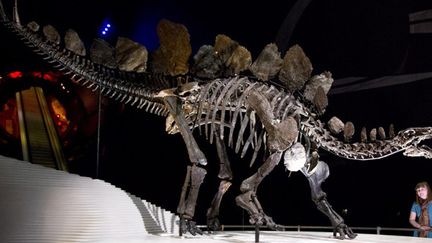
[(39, 140)]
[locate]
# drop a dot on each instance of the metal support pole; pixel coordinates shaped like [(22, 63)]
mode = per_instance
[(181, 226), (257, 233), (98, 133)]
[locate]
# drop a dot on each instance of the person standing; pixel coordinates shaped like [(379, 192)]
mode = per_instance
[(421, 211)]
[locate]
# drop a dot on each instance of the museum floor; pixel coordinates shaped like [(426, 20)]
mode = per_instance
[(272, 236)]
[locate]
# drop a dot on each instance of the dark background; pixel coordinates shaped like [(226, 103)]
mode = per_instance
[(368, 38)]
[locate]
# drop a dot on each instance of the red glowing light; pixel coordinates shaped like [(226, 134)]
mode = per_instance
[(48, 77), (37, 74), (16, 74)]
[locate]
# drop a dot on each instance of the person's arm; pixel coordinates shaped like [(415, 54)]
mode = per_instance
[(412, 220)]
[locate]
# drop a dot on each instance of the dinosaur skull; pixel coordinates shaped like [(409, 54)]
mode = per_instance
[(295, 157)]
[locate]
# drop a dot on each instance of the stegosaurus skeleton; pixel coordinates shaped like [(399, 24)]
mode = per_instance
[(259, 115)]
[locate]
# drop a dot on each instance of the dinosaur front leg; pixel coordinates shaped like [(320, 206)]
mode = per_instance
[(225, 174), (195, 175), (248, 199), (316, 177), (187, 205)]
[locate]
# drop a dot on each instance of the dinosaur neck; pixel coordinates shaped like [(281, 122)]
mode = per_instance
[(136, 89), (356, 151)]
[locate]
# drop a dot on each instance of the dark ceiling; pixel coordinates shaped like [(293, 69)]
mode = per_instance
[(350, 38)]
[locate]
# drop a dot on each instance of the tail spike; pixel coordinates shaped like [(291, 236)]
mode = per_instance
[(391, 131), (373, 134), (381, 133), (348, 131), (363, 135)]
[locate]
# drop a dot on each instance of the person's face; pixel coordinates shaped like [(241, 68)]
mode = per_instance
[(422, 192)]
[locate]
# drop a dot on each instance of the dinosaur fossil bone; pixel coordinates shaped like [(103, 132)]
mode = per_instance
[(239, 110)]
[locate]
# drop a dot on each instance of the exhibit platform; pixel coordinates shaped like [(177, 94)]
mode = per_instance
[(272, 237)]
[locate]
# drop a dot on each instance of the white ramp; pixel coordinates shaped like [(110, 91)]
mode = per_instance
[(39, 204)]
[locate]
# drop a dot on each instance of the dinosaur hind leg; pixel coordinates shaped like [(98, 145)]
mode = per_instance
[(213, 223), (225, 174), (248, 199), (316, 177)]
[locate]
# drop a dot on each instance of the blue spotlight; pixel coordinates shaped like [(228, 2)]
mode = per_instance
[(105, 29)]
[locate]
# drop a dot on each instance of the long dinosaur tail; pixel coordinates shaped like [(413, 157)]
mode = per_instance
[(406, 141)]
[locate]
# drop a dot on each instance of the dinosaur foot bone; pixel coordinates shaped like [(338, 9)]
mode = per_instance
[(249, 202), (344, 231), (190, 226), (261, 219), (213, 224), (271, 224)]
